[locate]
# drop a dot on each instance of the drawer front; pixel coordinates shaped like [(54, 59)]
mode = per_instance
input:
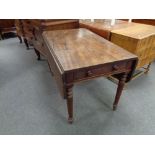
[(107, 69)]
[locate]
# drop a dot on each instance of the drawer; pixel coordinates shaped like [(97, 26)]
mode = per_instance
[(101, 70)]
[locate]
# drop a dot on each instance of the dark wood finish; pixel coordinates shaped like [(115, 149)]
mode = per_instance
[(28, 32), (145, 21), (31, 31), (19, 29), (39, 26), (37, 53), (78, 54), (20, 39), (24, 30), (26, 43), (69, 96), (119, 90), (6, 26)]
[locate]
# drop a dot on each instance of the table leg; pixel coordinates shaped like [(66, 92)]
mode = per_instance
[(26, 43), (119, 90), (148, 68), (69, 96), (2, 37), (37, 53), (20, 38)]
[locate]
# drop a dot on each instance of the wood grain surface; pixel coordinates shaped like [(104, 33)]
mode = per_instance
[(79, 48), (77, 55), (137, 38)]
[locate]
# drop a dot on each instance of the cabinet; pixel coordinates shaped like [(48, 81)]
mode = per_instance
[(6, 26)]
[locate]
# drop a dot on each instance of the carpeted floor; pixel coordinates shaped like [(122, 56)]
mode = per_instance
[(30, 102)]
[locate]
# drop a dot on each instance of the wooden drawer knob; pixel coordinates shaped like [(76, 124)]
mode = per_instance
[(115, 67), (89, 73)]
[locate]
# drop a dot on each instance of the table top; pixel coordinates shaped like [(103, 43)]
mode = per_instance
[(58, 22), (103, 24), (79, 48), (136, 31), (133, 30)]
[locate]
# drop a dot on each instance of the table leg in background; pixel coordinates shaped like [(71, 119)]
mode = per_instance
[(37, 53)]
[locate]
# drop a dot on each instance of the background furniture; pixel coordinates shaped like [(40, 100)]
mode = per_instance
[(24, 31), (144, 21), (78, 55), (31, 30), (28, 32), (102, 27), (7, 26), (19, 29), (136, 38), (48, 25)]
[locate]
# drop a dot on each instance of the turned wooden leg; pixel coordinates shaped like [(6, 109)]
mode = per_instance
[(37, 53), (119, 90), (148, 68), (69, 96), (26, 43), (20, 38)]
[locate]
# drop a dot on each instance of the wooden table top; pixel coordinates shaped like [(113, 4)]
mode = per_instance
[(103, 24), (137, 31), (133, 30), (58, 22), (79, 48)]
